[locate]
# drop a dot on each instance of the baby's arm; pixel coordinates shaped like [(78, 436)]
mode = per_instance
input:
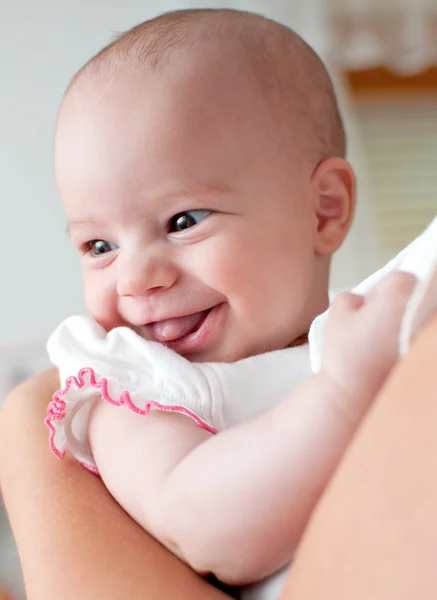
[(219, 502), (236, 504)]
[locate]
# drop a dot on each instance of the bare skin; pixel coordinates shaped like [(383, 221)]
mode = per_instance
[(381, 503), (63, 516), (374, 534), (197, 117), (196, 141), (201, 495)]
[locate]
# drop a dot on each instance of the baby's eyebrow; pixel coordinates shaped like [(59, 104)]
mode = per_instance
[(197, 189), (77, 223)]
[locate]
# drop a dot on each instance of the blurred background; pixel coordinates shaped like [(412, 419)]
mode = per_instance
[(383, 57)]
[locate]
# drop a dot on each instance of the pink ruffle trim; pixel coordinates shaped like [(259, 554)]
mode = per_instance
[(57, 408)]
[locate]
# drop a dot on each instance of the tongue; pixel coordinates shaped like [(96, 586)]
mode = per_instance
[(173, 329)]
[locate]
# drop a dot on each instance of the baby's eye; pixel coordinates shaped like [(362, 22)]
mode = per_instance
[(99, 247), (187, 219)]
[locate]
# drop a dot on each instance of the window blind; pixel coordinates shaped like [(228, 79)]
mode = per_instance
[(399, 139)]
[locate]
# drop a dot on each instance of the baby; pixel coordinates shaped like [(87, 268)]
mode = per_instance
[(200, 161)]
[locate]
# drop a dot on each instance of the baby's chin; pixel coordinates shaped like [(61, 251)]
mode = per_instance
[(231, 351)]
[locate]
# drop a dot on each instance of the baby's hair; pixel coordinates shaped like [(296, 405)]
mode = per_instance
[(290, 74)]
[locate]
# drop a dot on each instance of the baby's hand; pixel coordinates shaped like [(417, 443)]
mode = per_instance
[(362, 339)]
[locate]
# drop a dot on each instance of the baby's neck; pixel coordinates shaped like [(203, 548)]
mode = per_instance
[(300, 341)]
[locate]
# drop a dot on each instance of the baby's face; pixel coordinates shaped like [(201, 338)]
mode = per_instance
[(193, 226)]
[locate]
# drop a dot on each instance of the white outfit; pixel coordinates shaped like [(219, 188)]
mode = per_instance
[(124, 369), (419, 258)]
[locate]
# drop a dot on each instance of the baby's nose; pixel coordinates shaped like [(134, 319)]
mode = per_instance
[(142, 274)]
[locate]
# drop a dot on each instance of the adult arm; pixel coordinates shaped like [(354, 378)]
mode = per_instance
[(73, 538), (374, 532)]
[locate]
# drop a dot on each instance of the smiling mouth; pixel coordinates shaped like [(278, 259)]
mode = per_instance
[(170, 331)]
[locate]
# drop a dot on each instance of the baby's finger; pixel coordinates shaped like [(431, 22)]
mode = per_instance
[(347, 302), (398, 284)]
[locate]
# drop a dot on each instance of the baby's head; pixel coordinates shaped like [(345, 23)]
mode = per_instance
[(200, 160)]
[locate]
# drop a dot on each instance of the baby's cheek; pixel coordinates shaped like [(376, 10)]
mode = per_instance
[(225, 267), (101, 300)]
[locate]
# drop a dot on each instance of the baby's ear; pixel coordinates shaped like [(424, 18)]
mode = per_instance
[(334, 191)]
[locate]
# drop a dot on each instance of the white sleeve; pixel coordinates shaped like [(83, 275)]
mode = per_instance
[(124, 370)]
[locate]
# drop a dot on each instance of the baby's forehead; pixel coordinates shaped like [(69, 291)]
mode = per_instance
[(216, 51), (212, 85), (215, 85)]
